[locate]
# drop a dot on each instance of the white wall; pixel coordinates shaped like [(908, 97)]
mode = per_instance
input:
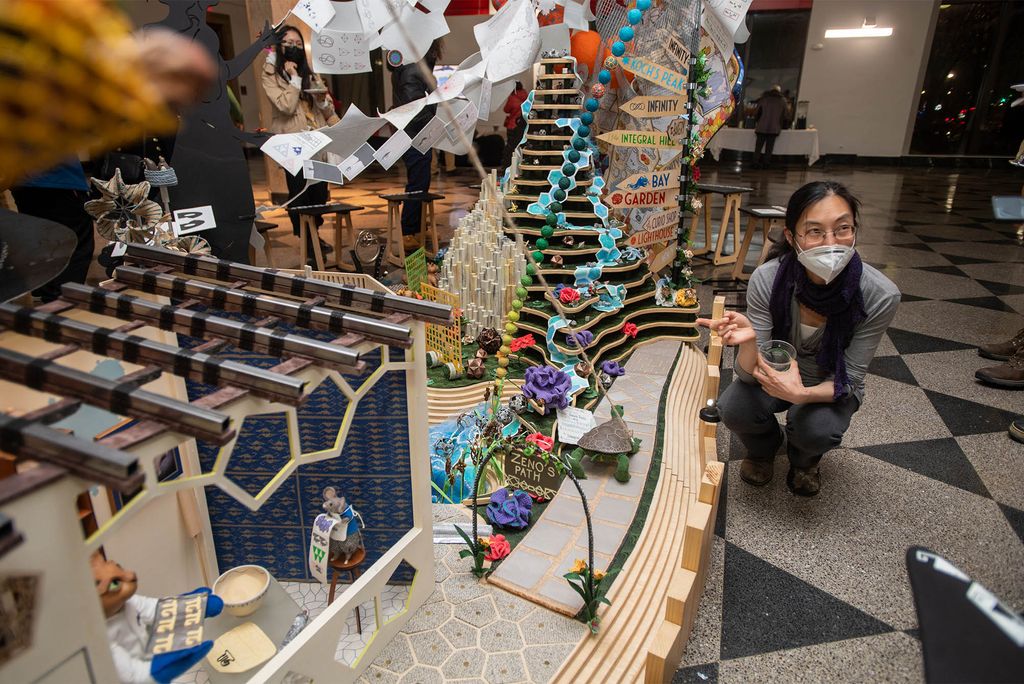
[(863, 91)]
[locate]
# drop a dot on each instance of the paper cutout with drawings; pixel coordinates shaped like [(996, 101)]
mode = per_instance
[(365, 16), (510, 40), (314, 13), (554, 36), (399, 117), (322, 171), (360, 159), (573, 423), (194, 220), (574, 16), (429, 135), (340, 52), (718, 33), (395, 146), (484, 103), (290, 149), (413, 33), (464, 120), (351, 132), (453, 87), (730, 13), (381, 13)]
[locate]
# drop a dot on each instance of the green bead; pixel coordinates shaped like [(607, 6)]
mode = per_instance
[(564, 183), (538, 256), (507, 339), (551, 219), (542, 243), (522, 293), (517, 304), (573, 156), (555, 207), (559, 195), (511, 328), (579, 144), (530, 270), (547, 231), (512, 316), (526, 280), (505, 349)]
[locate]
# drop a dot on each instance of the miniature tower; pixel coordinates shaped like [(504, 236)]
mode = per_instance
[(553, 192)]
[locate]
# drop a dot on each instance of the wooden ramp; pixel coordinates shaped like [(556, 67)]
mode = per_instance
[(654, 599)]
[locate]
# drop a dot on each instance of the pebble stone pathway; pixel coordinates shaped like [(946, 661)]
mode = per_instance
[(535, 568)]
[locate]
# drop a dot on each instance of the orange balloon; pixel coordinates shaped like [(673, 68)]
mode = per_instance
[(584, 46)]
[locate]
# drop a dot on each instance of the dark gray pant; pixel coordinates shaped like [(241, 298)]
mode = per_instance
[(811, 429)]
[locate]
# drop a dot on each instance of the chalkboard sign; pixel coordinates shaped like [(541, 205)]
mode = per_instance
[(531, 474)]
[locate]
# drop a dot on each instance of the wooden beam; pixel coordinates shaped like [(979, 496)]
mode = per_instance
[(698, 520)]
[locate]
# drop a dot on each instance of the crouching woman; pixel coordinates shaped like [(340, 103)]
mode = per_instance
[(815, 293)]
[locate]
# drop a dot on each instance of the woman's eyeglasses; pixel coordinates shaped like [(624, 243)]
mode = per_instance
[(816, 236)]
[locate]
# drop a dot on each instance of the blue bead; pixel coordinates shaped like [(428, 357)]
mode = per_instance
[(604, 76), (564, 183), (643, 5), (618, 48), (573, 156), (591, 104), (579, 144), (635, 16), (625, 34), (587, 118), (559, 194), (583, 131), (568, 169)]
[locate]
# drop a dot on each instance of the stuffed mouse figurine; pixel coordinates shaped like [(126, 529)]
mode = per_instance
[(129, 619)]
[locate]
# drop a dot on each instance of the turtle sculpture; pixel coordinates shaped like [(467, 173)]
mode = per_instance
[(609, 442)]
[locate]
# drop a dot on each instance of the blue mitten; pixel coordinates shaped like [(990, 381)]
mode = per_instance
[(167, 666), (214, 603)]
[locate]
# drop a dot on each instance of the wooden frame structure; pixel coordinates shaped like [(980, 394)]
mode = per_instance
[(41, 499)]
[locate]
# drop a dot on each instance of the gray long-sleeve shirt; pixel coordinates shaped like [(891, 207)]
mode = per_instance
[(881, 297)]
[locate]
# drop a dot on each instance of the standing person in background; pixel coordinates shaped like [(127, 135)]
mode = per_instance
[(515, 124), (300, 103), (771, 109), (59, 195), (408, 85)]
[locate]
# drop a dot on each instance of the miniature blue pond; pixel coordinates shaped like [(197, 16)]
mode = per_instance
[(451, 469)]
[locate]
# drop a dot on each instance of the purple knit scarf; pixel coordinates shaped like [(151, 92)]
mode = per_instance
[(840, 302)]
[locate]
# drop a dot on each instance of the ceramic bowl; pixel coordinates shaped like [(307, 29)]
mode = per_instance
[(242, 589)]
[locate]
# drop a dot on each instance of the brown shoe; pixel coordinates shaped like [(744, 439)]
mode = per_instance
[(1009, 374), (1017, 429), (1002, 351), (757, 473), (804, 481), (411, 243)]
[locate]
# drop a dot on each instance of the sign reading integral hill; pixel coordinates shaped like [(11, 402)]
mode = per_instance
[(531, 474), (656, 139)]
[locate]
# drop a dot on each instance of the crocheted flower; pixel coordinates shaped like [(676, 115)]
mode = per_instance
[(543, 441), (613, 368), (497, 547), (522, 342), (568, 295), (583, 338), (547, 384), (579, 566), (696, 173), (510, 510), (630, 329)]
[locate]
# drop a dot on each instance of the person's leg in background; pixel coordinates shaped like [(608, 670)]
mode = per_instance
[(417, 168), (514, 135), (769, 148), (317, 193), (1008, 375), (749, 413), (811, 430), (66, 208), (759, 139)]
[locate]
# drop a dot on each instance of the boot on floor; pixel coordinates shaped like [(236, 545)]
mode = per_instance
[(1002, 351), (1009, 375), (1017, 429)]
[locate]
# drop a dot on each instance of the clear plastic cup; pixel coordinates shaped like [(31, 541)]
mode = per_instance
[(778, 354)]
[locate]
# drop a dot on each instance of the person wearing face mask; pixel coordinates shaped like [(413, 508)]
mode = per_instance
[(300, 103), (815, 293)]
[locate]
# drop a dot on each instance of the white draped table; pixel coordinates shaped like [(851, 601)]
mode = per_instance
[(803, 143)]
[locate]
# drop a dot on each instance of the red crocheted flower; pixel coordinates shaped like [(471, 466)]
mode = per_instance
[(497, 547), (696, 174), (630, 329), (543, 441), (568, 295), (522, 342)]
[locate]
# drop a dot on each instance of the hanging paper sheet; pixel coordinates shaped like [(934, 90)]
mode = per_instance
[(510, 40), (395, 146), (351, 132), (429, 135), (339, 52), (413, 33), (360, 159), (314, 13), (290, 149)]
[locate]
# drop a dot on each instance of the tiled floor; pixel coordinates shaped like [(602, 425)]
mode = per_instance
[(816, 590)]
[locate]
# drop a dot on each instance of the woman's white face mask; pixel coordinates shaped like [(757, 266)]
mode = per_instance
[(825, 261)]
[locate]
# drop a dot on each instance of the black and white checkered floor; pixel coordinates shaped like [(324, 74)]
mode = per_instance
[(816, 589)]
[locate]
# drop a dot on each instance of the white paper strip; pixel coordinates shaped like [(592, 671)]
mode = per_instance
[(510, 40), (399, 117), (428, 135), (388, 153), (314, 13), (289, 149), (351, 132), (360, 159), (574, 18), (413, 33), (484, 103), (194, 220)]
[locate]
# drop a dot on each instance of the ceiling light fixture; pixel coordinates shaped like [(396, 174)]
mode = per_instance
[(868, 30)]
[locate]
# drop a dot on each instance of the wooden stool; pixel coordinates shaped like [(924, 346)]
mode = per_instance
[(428, 223), (342, 226), (263, 228), (758, 218), (352, 567), (730, 219)]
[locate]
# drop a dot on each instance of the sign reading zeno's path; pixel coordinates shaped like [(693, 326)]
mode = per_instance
[(531, 474), (655, 73)]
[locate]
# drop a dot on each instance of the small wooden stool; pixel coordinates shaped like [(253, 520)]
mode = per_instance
[(352, 567), (758, 218), (730, 219), (342, 226), (428, 223), (263, 228)]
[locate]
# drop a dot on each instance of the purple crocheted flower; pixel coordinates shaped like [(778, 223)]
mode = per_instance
[(613, 368), (549, 385), (584, 337), (510, 509)]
